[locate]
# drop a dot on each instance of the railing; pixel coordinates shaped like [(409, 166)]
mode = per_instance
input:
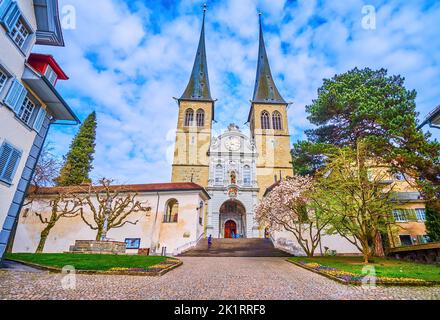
[(188, 245)]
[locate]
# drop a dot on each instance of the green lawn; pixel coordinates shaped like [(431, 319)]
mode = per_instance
[(87, 261), (385, 267)]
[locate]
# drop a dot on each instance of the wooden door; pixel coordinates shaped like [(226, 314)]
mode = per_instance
[(230, 227)]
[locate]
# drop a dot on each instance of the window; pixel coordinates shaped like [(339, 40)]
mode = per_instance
[(26, 110), (421, 214), (9, 160), (50, 75), (400, 215), (132, 243), (218, 175), (405, 240), (3, 79), (265, 122), (399, 176), (20, 33), (423, 239), (189, 117), (247, 175), (276, 121), (172, 211), (200, 118)]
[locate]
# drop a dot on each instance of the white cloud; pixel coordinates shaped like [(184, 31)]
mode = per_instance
[(127, 62)]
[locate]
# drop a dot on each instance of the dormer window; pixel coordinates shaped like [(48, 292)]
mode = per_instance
[(50, 75), (20, 33)]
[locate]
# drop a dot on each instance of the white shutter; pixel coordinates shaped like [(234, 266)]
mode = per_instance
[(39, 120)]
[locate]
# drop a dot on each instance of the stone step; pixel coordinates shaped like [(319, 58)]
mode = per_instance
[(251, 247)]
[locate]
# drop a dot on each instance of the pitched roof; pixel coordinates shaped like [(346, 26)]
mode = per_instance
[(265, 90), (152, 187), (198, 85)]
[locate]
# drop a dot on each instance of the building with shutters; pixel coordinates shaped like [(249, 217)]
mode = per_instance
[(29, 101)]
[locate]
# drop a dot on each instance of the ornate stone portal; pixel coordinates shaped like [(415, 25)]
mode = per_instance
[(232, 186)]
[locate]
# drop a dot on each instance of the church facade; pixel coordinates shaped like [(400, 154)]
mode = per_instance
[(235, 168)]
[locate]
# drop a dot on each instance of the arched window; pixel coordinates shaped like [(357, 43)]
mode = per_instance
[(265, 120), (200, 118), (276, 121), (189, 117), (218, 175), (247, 175), (172, 211)]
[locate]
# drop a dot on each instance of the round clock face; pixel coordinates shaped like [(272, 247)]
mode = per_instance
[(233, 143)]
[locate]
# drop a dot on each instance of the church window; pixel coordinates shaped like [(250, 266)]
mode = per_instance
[(200, 118), (265, 120), (172, 211), (189, 117), (276, 120), (247, 175), (218, 174)]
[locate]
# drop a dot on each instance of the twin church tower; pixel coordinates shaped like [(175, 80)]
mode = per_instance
[(268, 146)]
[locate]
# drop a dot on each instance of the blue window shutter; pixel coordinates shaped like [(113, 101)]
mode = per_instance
[(4, 7), (5, 154), (39, 119), (11, 166), (11, 16), (16, 95)]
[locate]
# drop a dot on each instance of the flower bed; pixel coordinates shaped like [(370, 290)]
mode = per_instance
[(356, 279), (157, 268)]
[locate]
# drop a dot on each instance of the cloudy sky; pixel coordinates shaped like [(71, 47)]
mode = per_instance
[(127, 59)]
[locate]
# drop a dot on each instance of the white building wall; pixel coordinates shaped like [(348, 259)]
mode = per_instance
[(11, 129), (287, 241), (151, 229)]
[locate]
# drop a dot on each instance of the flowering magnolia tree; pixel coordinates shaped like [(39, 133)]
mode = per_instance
[(287, 207)]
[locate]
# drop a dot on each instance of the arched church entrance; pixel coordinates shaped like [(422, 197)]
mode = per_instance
[(232, 219)]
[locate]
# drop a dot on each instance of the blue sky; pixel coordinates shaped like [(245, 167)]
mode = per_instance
[(127, 59)]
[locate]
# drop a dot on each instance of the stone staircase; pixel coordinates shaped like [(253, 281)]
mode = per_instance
[(235, 248)]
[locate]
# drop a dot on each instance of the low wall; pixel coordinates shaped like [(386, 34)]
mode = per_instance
[(102, 247), (426, 253)]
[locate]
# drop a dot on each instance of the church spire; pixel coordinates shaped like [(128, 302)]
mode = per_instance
[(265, 89), (198, 85)]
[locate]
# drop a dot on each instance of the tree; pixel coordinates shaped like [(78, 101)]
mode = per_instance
[(351, 190), (371, 106), (433, 225), (111, 207), (286, 207), (308, 157), (78, 161), (47, 168), (64, 205)]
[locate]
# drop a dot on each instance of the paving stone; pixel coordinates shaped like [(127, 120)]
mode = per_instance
[(204, 278)]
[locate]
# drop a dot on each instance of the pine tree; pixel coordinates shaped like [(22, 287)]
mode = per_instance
[(78, 161), (433, 224)]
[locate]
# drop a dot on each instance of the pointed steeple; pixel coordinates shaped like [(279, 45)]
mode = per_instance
[(198, 85), (265, 89)]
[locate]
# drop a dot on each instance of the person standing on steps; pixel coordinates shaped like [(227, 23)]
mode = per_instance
[(209, 242)]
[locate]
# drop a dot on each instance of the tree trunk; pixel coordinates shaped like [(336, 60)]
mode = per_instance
[(43, 237)]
